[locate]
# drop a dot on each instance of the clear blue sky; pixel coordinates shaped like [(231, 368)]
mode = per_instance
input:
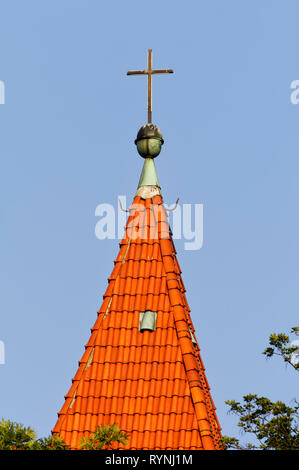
[(67, 144)]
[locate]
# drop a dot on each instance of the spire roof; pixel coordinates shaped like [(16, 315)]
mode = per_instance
[(151, 383)]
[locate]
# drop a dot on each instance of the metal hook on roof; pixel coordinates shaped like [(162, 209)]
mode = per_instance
[(176, 204), (124, 210)]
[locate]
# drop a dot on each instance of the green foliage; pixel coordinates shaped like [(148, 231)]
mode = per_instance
[(48, 443), (15, 436), (103, 438), (273, 424), (280, 346)]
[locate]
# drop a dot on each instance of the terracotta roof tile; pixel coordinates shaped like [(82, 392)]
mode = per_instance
[(151, 383)]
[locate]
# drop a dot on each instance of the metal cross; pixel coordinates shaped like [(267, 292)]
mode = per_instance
[(149, 72)]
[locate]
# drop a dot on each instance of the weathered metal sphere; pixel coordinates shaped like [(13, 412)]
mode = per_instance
[(149, 141)]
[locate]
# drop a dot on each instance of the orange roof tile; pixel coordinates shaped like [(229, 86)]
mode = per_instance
[(151, 383)]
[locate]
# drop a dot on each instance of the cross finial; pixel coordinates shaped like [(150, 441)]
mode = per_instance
[(149, 72)]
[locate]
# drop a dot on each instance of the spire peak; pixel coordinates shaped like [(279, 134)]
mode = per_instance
[(149, 142)]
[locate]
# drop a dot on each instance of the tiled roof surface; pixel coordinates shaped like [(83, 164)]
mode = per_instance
[(151, 383)]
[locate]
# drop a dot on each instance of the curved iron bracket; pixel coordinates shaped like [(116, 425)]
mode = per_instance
[(120, 205), (171, 210)]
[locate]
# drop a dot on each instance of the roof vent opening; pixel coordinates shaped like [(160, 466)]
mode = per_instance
[(147, 321)]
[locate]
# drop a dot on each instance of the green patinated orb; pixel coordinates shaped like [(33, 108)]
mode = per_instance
[(149, 141)]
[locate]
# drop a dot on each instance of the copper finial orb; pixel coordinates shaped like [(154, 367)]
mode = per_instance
[(149, 141)]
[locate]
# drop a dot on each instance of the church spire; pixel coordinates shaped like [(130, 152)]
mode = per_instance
[(142, 367)]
